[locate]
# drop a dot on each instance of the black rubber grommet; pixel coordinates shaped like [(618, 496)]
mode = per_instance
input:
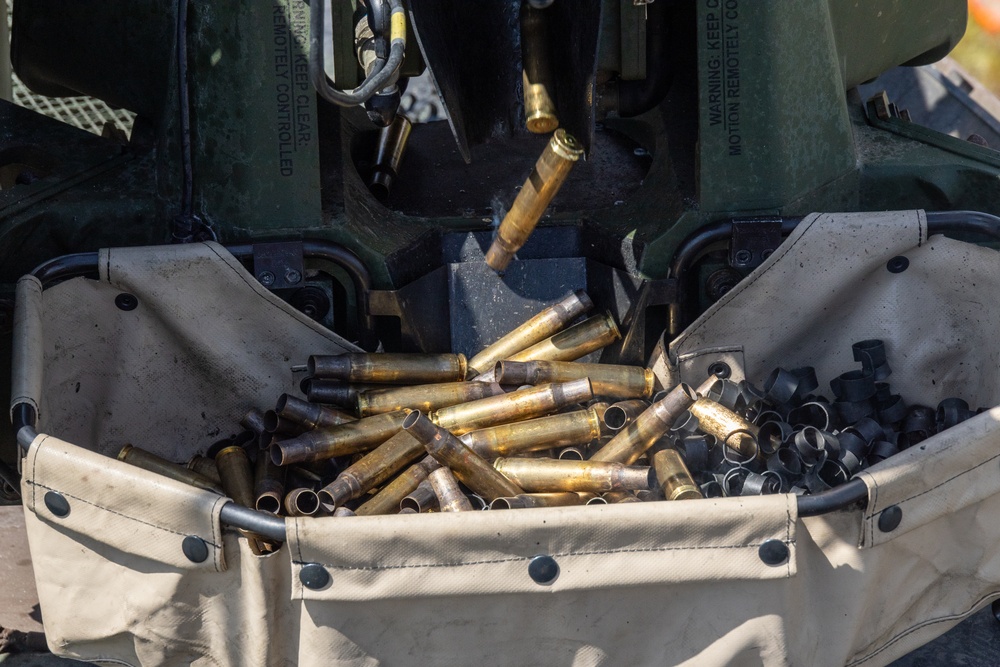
[(314, 576), (773, 552), (126, 301), (57, 504), (195, 549), (889, 520), (720, 369), (897, 264), (543, 569)]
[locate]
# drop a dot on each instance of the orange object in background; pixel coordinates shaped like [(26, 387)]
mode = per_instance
[(987, 14)]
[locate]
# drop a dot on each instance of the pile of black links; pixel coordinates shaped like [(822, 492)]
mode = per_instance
[(805, 442)]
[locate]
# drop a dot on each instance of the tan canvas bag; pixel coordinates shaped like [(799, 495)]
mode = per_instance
[(651, 584)]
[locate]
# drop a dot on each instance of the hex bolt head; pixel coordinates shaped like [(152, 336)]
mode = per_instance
[(889, 520), (743, 256), (293, 277), (266, 278)]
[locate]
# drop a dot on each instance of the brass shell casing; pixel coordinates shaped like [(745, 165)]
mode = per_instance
[(729, 428), (237, 482), (549, 475), (577, 341), (539, 327), (450, 497), (389, 368), (425, 397), (563, 430), (421, 499), (550, 171), (374, 468), (310, 415), (392, 141), (387, 500), (204, 466), (623, 413), (616, 497), (334, 392), (468, 466), (351, 438), (153, 463), (539, 109), (673, 476), (609, 380), (515, 406), (268, 485), (301, 502), (526, 500), (632, 441)]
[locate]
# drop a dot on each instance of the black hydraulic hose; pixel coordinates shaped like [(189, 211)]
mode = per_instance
[(636, 97), (187, 168)]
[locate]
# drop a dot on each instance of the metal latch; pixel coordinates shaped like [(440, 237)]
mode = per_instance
[(753, 241), (278, 265)]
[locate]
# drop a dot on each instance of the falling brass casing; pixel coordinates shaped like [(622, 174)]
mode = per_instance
[(573, 343), (268, 485), (525, 500), (301, 502), (392, 141), (374, 468), (450, 497), (609, 380), (632, 441), (204, 466), (469, 467), (623, 413), (358, 436), (729, 428), (549, 321), (421, 499), (539, 109), (549, 475), (310, 415), (673, 476), (425, 397), (401, 368), (153, 463), (563, 430), (550, 171), (387, 500)]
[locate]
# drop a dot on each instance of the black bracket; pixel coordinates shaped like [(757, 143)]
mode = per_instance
[(753, 241), (279, 265)]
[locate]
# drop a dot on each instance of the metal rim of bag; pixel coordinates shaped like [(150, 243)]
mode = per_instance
[(852, 493)]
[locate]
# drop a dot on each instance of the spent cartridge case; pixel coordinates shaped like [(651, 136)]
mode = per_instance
[(274, 423), (515, 406), (614, 497), (623, 413), (387, 501), (609, 380), (549, 475), (396, 368), (449, 495), (374, 468), (571, 454), (525, 500), (333, 392), (149, 461), (237, 482), (268, 485), (563, 430), (343, 511), (548, 175), (469, 467), (310, 415), (539, 109), (577, 341), (632, 441), (358, 436), (392, 141), (253, 420), (423, 397), (549, 321), (301, 502), (421, 499), (673, 477), (204, 466), (726, 426)]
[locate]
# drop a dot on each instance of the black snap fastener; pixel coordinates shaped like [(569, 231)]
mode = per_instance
[(773, 552), (543, 569), (195, 549), (126, 301), (889, 520), (897, 264), (314, 576), (720, 369), (57, 504)]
